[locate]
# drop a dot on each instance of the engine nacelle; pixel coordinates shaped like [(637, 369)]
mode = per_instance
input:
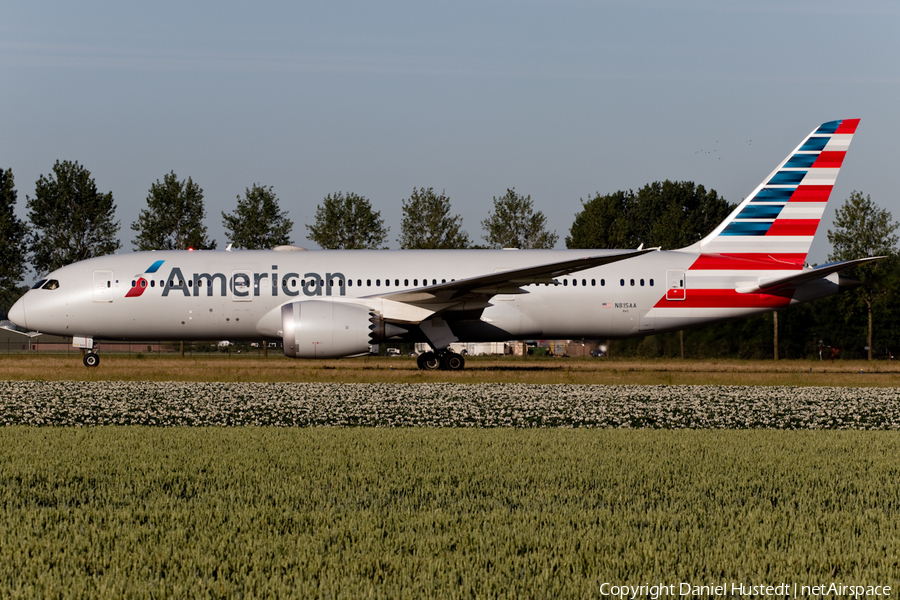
[(322, 329)]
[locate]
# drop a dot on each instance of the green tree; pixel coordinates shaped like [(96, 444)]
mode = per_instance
[(678, 214), (13, 233), (428, 225), (605, 222), (258, 223), (347, 221), (514, 224), (864, 229), (666, 214), (173, 219), (70, 219)]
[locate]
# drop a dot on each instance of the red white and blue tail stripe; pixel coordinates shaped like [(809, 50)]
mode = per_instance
[(774, 226)]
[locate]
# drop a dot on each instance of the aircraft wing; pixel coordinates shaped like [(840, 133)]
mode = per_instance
[(777, 283), (483, 287)]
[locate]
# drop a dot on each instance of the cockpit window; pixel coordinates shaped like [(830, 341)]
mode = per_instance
[(51, 285), (39, 284)]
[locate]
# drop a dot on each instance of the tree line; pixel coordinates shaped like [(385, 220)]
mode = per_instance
[(70, 219)]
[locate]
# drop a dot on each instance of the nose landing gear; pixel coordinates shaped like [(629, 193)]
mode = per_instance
[(442, 359), (91, 359), (87, 346)]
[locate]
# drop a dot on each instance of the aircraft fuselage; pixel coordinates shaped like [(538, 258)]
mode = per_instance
[(215, 295)]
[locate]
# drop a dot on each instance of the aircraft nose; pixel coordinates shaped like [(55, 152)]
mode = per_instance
[(16, 313)]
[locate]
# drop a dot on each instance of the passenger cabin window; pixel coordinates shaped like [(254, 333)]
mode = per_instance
[(651, 283), (642, 282), (622, 282)]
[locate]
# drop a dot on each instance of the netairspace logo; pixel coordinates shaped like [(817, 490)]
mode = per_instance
[(740, 590)]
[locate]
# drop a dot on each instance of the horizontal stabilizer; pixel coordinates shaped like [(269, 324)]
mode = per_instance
[(772, 284)]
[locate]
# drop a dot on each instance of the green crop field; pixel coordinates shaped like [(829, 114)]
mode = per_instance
[(449, 513)]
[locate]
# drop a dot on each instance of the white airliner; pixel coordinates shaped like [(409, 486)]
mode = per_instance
[(335, 303)]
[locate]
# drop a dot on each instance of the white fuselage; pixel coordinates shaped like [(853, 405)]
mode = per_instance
[(197, 295)]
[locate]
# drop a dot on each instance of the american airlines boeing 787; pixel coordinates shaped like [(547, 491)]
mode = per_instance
[(335, 303)]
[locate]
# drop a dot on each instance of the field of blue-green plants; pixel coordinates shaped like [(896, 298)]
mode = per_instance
[(440, 513)]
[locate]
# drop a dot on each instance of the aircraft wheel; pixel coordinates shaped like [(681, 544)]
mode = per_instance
[(452, 361), (91, 359), (429, 361)]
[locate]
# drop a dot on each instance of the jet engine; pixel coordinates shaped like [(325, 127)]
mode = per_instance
[(323, 329)]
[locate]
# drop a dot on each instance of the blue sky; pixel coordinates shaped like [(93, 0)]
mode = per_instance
[(557, 99)]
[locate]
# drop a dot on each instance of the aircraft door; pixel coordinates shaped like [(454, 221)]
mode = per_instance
[(103, 281), (242, 285), (676, 287)]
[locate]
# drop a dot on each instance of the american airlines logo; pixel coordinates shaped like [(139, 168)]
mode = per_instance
[(141, 281), (240, 284)]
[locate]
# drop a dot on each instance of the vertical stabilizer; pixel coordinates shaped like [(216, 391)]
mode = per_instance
[(777, 222)]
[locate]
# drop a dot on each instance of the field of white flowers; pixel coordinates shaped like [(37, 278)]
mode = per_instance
[(446, 405)]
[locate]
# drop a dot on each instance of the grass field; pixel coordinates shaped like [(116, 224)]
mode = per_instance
[(413, 513), (478, 370)]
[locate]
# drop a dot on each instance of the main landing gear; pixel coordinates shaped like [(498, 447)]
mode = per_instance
[(91, 359), (442, 359)]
